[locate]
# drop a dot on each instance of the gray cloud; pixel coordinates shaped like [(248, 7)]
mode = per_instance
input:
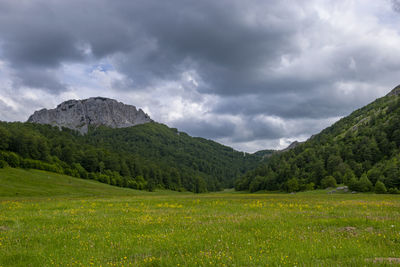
[(396, 5), (206, 129), (253, 68), (38, 78)]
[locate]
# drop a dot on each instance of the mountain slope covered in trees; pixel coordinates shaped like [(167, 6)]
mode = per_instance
[(141, 157), (360, 150)]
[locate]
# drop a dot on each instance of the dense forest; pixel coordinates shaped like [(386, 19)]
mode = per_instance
[(361, 151), (145, 156)]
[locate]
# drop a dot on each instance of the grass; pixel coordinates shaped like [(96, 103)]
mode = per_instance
[(83, 223), (35, 183)]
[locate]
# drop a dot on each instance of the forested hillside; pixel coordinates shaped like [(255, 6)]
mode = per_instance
[(361, 151), (141, 157)]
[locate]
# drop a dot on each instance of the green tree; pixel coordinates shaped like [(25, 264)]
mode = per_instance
[(43, 149), (67, 154), (90, 161), (151, 185), (82, 172), (13, 159), (309, 186), (102, 167), (380, 188), (317, 171), (328, 181), (396, 137), (124, 169), (257, 184), (374, 175), (394, 190), (4, 138), (3, 164), (140, 182), (354, 184), (292, 185), (200, 185), (333, 163), (365, 184), (348, 176)]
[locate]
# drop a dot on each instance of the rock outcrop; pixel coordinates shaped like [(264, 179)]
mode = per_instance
[(395, 91), (80, 114), (291, 146)]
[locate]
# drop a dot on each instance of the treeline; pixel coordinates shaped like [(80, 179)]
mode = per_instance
[(146, 156), (361, 151)]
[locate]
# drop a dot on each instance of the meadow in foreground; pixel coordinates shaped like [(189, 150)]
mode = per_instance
[(219, 229)]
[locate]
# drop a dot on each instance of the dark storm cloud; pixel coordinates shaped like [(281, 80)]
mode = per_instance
[(39, 78), (265, 63), (214, 38), (319, 103), (155, 40), (234, 46)]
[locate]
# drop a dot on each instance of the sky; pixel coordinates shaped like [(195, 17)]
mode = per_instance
[(253, 75)]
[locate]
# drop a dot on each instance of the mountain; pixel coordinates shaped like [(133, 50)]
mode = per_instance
[(144, 156), (81, 114), (395, 91), (265, 154), (293, 145), (360, 150)]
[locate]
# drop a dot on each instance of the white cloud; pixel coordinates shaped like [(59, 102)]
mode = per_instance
[(258, 77)]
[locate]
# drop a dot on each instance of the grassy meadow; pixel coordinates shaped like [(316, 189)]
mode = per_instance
[(54, 220)]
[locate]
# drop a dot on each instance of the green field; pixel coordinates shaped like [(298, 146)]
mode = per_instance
[(48, 219)]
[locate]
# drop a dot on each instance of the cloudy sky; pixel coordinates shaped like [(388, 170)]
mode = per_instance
[(253, 74)]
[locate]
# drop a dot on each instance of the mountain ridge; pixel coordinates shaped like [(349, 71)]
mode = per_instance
[(145, 156), (360, 150), (95, 111)]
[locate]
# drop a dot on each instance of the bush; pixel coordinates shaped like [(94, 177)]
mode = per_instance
[(328, 181), (12, 159), (140, 182), (348, 176), (354, 184), (365, 184), (82, 172), (380, 188), (292, 185), (3, 164), (132, 184), (394, 190), (309, 187)]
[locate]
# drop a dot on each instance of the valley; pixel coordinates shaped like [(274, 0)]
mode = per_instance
[(199, 133), (90, 223)]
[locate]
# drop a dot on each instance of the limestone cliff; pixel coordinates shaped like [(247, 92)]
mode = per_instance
[(95, 111)]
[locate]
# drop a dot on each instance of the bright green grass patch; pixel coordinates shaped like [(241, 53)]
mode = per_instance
[(34, 183), (167, 229)]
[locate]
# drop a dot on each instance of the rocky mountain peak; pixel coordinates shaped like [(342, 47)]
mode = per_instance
[(80, 114)]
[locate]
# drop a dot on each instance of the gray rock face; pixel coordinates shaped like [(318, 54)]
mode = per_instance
[(80, 114), (292, 146), (395, 91)]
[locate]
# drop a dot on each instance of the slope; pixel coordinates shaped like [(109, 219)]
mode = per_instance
[(35, 183), (141, 157), (358, 150)]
